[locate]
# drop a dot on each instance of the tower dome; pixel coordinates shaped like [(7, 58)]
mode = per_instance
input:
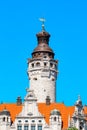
[(43, 46), (55, 112), (5, 112)]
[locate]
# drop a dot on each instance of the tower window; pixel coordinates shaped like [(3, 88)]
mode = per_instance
[(45, 56), (39, 53), (45, 64), (32, 65), (51, 64), (53, 79), (37, 64), (35, 78)]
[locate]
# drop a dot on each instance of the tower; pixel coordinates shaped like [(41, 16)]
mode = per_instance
[(55, 120), (5, 120), (42, 68)]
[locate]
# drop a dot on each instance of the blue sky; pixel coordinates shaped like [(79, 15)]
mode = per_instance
[(66, 21)]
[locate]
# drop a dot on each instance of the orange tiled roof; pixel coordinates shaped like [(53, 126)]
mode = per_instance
[(13, 108), (65, 111), (44, 109)]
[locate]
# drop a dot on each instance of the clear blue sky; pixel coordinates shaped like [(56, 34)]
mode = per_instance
[(66, 21)]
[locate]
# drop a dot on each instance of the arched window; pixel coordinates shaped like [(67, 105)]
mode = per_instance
[(45, 64), (4, 119), (37, 64), (32, 65), (54, 118), (26, 121), (34, 78)]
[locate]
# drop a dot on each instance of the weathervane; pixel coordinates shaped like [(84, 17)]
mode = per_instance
[(43, 26), (79, 98)]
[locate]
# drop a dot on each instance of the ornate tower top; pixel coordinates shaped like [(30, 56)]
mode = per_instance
[(43, 43)]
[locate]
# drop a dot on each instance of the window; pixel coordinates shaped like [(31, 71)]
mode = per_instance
[(33, 121), (39, 127), (54, 118), (37, 64), (19, 127), (45, 64), (40, 120), (26, 121), (45, 56), (35, 78), (32, 127), (51, 64), (3, 118), (32, 65), (26, 127), (19, 121)]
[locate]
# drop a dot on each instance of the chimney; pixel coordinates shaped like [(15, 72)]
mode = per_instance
[(48, 100), (19, 100)]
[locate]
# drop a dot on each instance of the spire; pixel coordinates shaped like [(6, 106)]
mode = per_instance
[(79, 101)]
